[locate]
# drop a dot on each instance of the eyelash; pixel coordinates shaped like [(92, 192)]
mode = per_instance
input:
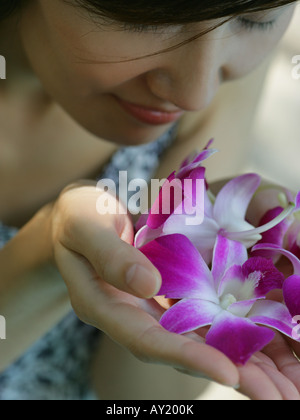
[(252, 24), (139, 28), (248, 24)]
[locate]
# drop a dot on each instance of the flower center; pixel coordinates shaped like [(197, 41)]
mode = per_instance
[(227, 300)]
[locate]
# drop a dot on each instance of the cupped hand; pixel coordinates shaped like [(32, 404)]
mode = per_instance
[(111, 285)]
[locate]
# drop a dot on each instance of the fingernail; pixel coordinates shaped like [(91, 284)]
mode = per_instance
[(142, 282)]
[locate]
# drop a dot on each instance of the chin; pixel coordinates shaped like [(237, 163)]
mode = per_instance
[(135, 136)]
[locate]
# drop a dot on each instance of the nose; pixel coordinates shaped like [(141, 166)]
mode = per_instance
[(189, 76)]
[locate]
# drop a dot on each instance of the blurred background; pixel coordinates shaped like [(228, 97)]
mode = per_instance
[(276, 138), (276, 132)]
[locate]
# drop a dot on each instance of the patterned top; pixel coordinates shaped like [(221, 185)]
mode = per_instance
[(56, 367)]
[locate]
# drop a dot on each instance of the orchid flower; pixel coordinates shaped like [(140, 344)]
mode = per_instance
[(287, 233), (153, 225), (291, 286), (230, 298), (225, 216)]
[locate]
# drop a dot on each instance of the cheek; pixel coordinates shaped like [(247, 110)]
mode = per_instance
[(251, 48), (103, 78), (247, 59)]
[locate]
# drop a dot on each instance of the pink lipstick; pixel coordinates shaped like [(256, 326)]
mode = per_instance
[(149, 115)]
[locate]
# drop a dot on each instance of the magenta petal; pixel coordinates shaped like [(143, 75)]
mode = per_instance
[(226, 254), (276, 234), (193, 162), (141, 222), (189, 315), (233, 200), (158, 214), (192, 190), (191, 171), (291, 294), (269, 278), (183, 270), (297, 202), (272, 314), (238, 338)]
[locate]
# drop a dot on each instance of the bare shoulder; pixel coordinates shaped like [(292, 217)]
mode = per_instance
[(228, 120)]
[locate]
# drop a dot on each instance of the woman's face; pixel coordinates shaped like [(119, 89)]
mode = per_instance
[(88, 67)]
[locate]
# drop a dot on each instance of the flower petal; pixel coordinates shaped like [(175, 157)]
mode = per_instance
[(226, 254), (141, 222), (291, 294), (202, 237), (232, 281), (238, 338), (233, 200), (164, 205), (250, 237), (241, 308), (194, 188), (272, 314), (276, 234), (189, 315), (145, 235), (277, 250), (297, 202), (269, 278), (193, 161), (183, 270)]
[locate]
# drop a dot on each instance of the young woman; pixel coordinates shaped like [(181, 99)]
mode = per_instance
[(86, 79)]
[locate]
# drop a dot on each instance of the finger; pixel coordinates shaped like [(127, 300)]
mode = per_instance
[(284, 386), (116, 261), (124, 267), (256, 384), (281, 353), (295, 345)]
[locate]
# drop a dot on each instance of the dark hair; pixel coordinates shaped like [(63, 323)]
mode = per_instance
[(7, 7), (161, 12)]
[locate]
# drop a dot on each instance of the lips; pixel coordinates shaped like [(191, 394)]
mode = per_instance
[(149, 115)]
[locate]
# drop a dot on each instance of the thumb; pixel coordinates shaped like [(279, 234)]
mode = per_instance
[(124, 267), (116, 261)]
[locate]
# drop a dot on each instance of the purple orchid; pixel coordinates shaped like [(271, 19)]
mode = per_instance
[(291, 286), (223, 215), (287, 233), (231, 297)]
